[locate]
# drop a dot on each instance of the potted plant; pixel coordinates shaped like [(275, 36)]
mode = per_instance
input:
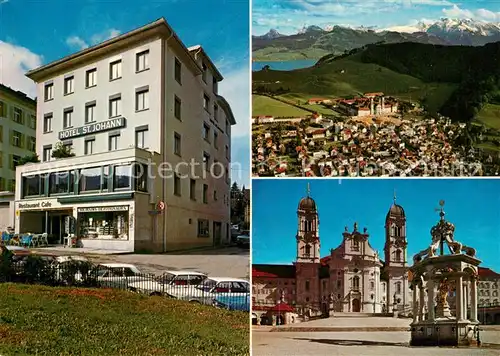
[(62, 151)]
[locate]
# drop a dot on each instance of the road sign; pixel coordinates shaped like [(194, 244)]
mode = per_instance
[(161, 205)]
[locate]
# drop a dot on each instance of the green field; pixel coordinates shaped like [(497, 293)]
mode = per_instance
[(284, 54), (490, 116), (349, 76), (263, 105), (37, 320)]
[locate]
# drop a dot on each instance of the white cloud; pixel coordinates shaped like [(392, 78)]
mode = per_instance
[(80, 43), (479, 14), (236, 89), (75, 41), (15, 61), (3, 2)]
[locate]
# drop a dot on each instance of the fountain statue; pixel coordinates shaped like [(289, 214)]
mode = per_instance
[(434, 271)]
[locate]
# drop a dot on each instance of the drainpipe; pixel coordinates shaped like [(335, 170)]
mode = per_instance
[(163, 125)]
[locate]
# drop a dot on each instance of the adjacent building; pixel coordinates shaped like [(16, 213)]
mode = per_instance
[(17, 140), (351, 278), (135, 144)]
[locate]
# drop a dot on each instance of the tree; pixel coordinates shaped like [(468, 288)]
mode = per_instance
[(62, 151), (31, 158)]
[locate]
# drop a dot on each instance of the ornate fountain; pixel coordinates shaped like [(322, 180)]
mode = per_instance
[(439, 279)]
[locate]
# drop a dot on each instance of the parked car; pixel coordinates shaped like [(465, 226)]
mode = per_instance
[(243, 240), (168, 282), (211, 288), (233, 302), (120, 275)]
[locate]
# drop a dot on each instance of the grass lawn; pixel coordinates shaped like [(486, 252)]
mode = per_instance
[(263, 105), (37, 320), (350, 76), (284, 54), (490, 116)]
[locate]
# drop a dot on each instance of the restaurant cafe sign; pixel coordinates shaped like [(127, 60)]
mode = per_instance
[(95, 127), (39, 205)]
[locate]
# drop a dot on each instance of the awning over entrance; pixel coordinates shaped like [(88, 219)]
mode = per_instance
[(282, 308)]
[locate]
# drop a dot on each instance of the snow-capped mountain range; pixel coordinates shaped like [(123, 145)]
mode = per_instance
[(447, 25)]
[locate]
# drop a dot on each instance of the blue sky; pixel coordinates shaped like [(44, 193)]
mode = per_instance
[(289, 16), (473, 205), (33, 33)]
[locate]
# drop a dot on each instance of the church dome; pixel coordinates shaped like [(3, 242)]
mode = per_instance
[(396, 210), (307, 203)]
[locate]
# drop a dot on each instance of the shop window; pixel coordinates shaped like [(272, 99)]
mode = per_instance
[(105, 178), (90, 179), (123, 177), (104, 222), (59, 183)]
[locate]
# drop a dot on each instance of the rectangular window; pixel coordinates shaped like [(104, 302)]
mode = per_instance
[(216, 140), (31, 143), (227, 151), (91, 78), (59, 183), (67, 118), (142, 100), (123, 177), (17, 139), (192, 189), (106, 175), (90, 179), (205, 194), (206, 160), (69, 85), (216, 112), (47, 153), (214, 85), (177, 143), (90, 113), (3, 109), (142, 61), (206, 132), (206, 102), (141, 138), (115, 106), (215, 195), (89, 147), (203, 228), (49, 91), (33, 122), (141, 177), (177, 108), (204, 74), (113, 142), (177, 185), (178, 71), (32, 185), (18, 116), (115, 70), (47, 123)]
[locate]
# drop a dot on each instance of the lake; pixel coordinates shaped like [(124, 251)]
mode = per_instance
[(285, 65)]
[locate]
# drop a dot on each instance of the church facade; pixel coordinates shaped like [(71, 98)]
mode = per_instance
[(351, 278)]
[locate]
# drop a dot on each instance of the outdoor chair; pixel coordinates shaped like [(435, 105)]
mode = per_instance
[(6, 237), (26, 240), (44, 239)]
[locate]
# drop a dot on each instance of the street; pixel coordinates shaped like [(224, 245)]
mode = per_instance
[(265, 343)]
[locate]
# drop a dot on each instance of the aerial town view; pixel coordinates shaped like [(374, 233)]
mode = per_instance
[(414, 267), (337, 99)]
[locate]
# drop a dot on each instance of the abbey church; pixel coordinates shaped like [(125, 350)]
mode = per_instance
[(351, 278)]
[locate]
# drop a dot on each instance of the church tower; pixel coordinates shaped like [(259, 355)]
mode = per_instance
[(308, 245), (395, 251), (307, 286)]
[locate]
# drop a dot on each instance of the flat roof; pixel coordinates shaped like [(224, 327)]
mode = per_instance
[(159, 26), (17, 94)]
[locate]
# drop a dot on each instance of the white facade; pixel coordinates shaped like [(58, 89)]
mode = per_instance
[(140, 99)]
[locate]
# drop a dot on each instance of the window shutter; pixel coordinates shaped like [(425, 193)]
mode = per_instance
[(23, 141), (11, 161), (11, 140)]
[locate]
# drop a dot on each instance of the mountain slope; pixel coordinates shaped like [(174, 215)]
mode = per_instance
[(455, 80), (312, 42)]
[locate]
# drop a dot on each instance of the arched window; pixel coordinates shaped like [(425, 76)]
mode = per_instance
[(398, 256), (398, 288), (308, 250), (355, 245), (355, 283)]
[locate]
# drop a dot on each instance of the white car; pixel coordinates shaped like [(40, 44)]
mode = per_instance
[(167, 282), (119, 275), (211, 288)]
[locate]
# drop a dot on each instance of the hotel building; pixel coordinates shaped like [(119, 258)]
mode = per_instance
[(149, 139), (17, 140)]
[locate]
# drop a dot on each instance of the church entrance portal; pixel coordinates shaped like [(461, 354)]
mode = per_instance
[(356, 305)]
